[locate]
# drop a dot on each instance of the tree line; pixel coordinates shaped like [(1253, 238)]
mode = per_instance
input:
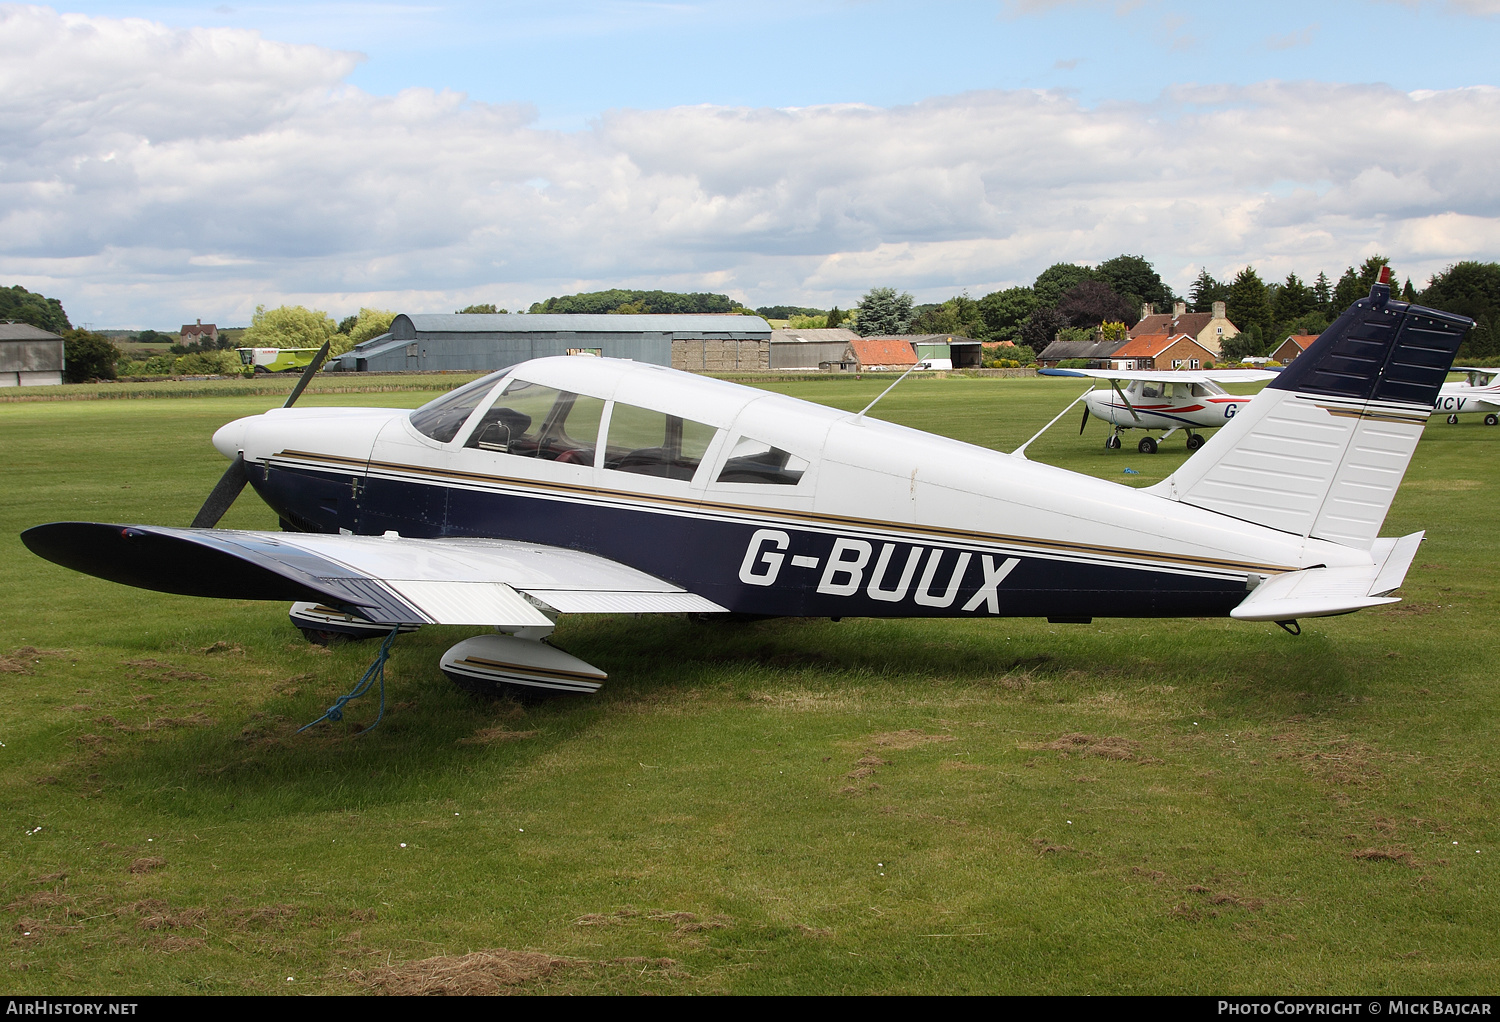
[(1066, 301)]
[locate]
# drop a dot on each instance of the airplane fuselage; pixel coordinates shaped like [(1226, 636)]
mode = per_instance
[(883, 521), (1166, 406)]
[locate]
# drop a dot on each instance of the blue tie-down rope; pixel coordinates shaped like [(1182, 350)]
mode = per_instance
[(375, 673)]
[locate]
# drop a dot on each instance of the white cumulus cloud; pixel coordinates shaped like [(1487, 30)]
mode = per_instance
[(151, 174)]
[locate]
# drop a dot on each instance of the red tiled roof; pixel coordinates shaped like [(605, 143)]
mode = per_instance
[(883, 351), (1302, 340), (1152, 345), (1164, 323)]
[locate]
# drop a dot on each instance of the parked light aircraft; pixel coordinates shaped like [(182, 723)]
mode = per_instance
[(593, 485), (1479, 393), (1166, 400)]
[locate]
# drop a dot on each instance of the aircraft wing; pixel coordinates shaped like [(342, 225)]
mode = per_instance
[(388, 579), (1170, 375), (1323, 592), (1474, 369)]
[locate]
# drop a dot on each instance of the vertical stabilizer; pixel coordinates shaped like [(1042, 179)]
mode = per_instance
[(1322, 449)]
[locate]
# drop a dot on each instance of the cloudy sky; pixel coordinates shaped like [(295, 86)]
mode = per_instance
[(169, 161)]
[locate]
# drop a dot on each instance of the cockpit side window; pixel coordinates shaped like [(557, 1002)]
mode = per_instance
[(1151, 390), (442, 417), (652, 443), (754, 461), (528, 420)]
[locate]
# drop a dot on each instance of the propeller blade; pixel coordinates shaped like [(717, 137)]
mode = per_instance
[(307, 375), (1085, 421), (229, 486)]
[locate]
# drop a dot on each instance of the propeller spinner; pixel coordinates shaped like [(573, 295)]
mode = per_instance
[(234, 478)]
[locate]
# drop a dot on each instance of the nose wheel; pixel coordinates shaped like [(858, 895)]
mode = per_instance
[(1453, 420), (1112, 442)]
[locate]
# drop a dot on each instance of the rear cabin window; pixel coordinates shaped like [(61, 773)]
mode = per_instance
[(441, 417), (528, 420), (652, 443), (753, 461)]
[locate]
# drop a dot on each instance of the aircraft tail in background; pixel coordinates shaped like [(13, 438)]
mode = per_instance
[(1321, 451)]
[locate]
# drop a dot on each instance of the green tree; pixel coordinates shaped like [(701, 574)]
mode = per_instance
[(1206, 290), (22, 306), (369, 323), (786, 311), (1408, 293), (1294, 299), (835, 317), (347, 323), (1136, 281), (1323, 291), (289, 326), (883, 312), (1348, 291), (1042, 327), (1249, 341), (1004, 312), (89, 356), (807, 322), (1470, 289), (1091, 302), (1057, 280), (480, 310), (959, 315), (1314, 322), (1249, 303), (655, 302)]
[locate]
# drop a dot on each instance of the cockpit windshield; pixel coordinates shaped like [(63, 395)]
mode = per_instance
[(441, 417)]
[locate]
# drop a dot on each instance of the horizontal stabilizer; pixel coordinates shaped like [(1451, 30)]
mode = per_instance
[(385, 579), (1323, 592)]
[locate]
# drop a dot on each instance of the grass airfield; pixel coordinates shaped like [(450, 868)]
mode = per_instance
[(1132, 806)]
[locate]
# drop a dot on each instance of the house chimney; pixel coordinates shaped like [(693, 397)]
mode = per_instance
[(1147, 310), (1218, 310), (1179, 309), (200, 322)]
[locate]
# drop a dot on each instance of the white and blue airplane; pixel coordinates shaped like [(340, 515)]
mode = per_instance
[(598, 486)]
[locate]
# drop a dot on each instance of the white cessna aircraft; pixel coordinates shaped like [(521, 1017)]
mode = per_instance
[(1479, 393), (597, 486), (1167, 400)]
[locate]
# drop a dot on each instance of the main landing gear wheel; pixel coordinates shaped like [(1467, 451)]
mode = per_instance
[(1194, 441), (1147, 445), (1453, 420), (1112, 442), (1492, 419)]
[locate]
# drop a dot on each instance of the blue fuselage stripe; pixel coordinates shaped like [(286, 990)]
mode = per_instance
[(712, 555)]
